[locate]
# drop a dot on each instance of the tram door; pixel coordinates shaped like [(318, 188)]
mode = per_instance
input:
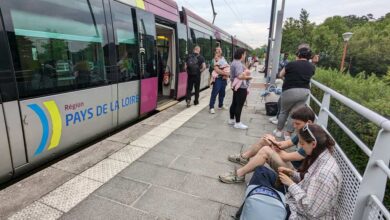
[(166, 64), (147, 60)]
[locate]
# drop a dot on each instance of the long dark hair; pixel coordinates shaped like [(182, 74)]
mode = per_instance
[(324, 142)]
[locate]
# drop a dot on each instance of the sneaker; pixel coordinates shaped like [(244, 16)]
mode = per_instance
[(275, 122), (188, 103), (237, 158), (231, 177), (212, 111), (273, 119), (277, 133), (240, 126), (231, 121)]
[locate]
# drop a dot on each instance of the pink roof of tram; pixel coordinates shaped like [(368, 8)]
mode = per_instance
[(164, 8)]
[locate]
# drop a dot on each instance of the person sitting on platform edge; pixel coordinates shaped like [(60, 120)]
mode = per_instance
[(195, 65), (261, 152), (313, 189)]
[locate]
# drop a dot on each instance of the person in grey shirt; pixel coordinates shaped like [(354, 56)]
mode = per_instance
[(237, 70)]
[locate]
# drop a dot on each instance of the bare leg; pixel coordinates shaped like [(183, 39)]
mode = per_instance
[(254, 148), (258, 160)]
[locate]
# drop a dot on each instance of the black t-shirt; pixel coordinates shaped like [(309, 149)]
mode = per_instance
[(200, 61), (298, 74)]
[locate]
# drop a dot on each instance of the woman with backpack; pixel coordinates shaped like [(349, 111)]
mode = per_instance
[(313, 189)]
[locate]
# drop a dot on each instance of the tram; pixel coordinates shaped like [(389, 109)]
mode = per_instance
[(72, 71)]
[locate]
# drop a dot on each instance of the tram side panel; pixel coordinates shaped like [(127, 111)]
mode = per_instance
[(7, 96), (5, 154), (66, 96)]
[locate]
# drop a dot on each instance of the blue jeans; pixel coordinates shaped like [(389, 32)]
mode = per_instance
[(218, 89)]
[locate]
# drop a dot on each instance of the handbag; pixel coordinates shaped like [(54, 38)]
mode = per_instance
[(271, 108), (271, 101)]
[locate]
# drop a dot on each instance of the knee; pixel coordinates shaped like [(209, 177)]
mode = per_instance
[(265, 152)]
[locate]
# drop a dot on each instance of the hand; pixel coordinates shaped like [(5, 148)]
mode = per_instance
[(268, 136), (276, 148), (286, 180), (286, 170)]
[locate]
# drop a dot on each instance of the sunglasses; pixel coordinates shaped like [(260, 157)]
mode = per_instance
[(307, 128)]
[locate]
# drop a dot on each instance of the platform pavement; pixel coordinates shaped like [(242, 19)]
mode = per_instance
[(165, 167)]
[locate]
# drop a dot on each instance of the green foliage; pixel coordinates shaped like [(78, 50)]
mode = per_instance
[(259, 52), (367, 50), (371, 92)]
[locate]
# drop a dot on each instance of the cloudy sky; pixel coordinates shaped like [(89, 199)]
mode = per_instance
[(249, 19)]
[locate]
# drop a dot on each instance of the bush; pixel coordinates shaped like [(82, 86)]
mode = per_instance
[(371, 92)]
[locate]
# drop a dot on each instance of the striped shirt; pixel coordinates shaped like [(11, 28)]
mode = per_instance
[(315, 197)]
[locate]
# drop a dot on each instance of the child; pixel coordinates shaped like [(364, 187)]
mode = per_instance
[(222, 64), (238, 82)]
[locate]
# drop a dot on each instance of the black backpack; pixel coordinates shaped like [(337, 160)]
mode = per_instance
[(192, 65)]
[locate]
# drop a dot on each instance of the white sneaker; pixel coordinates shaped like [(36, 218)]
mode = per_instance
[(277, 133), (212, 111), (275, 122), (273, 119), (231, 121), (240, 126), (222, 108)]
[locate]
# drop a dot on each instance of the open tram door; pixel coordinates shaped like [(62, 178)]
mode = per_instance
[(166, 64)]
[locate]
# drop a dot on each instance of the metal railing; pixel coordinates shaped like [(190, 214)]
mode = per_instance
[(360, 197)]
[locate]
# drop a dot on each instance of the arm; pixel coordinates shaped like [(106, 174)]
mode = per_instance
[(218, 70), (203, 67), (282, 72), (286, 144), (293, 156)]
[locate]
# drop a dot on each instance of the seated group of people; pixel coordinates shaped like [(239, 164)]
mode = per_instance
[(302, 180)]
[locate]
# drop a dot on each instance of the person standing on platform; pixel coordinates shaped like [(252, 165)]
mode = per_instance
[(220, 81), (195, 65), (296, 85), (237, 70)]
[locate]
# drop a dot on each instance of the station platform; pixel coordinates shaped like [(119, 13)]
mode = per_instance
[(164, 167)]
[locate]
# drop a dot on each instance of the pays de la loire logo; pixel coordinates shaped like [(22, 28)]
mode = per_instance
[(56, 125)]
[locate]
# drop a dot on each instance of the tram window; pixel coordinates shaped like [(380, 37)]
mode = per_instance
[(59, 45), (204, 41), (183, 52), (227, 50), (126, 43), (147, 33)]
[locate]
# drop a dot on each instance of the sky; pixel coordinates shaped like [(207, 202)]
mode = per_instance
[(249, 19)]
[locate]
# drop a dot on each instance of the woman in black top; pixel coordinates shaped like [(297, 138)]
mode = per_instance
[(296, 86)]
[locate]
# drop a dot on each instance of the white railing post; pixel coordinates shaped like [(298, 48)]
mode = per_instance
[(374, 178), (323, 115)]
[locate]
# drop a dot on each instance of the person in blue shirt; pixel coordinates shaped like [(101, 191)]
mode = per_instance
[(271, 151)]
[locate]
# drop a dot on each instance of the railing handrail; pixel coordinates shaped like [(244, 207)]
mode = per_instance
[(377, 172), (372, 116)]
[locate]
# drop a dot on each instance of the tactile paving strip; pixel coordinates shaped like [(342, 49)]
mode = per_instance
[(36, 210), (71, 193), (104, 170), (129, 154)]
